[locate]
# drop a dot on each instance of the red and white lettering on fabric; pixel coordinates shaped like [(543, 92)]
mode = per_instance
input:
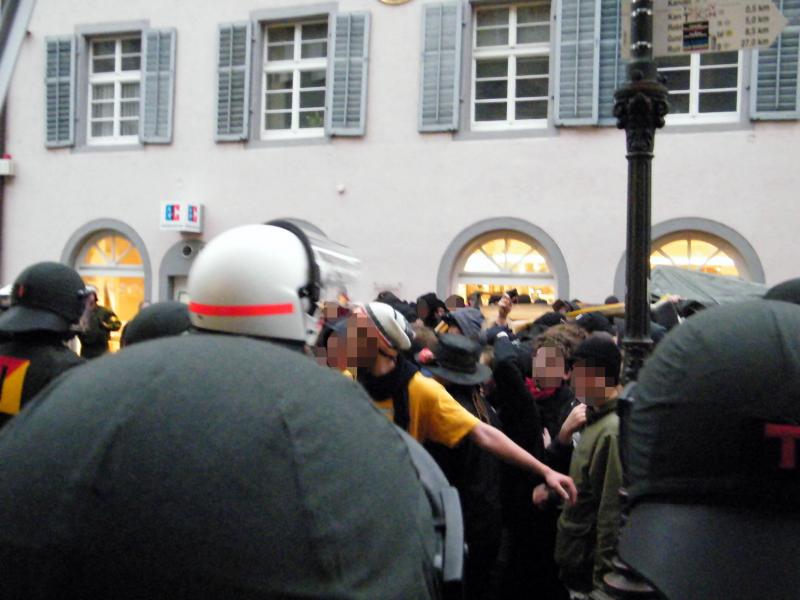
[(788, 435)]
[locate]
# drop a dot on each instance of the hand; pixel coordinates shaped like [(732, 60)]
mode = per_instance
[(546, 437), (573, 422), (540, 496), (563, 486), (504, 307)]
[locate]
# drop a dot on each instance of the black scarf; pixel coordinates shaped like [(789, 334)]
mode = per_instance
[(393, 385)]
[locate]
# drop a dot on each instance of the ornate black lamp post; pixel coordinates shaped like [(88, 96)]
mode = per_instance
[(640, 107)]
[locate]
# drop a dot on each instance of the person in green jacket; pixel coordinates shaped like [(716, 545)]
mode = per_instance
[(96, 326), (587, 531)]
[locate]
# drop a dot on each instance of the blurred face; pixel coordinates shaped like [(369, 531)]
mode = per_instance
[(548, 367), (589, 383), (361, 346)]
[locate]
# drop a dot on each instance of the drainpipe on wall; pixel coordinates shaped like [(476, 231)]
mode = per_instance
[(2, 188)]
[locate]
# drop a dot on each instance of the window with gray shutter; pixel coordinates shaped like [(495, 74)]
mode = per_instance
[(578, 60), (60, 91), (612, 67), (775, 83), (158, 85), (441, 67), (233, 81), (347, 68)]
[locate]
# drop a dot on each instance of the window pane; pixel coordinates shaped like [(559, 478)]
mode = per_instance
[(718, 102), (279, 120), (531, 110), (279, 101), (284, 33), (539, 13), (129, 127), (497, 16), (719, 58), (677, 80), (131, 46), (103, 129), (534, 65), (102, 110), (718, 78), (312, 79), (103, 92), (672, 61), (279, 81), (280, 52), (312, 99), (103, 65), (129, 109), (314, 118), (130, 63), (491, 89), (314, 50), (492, 37), (532, 88), (130, 90), (104, 48), (315, 31), (533, 34), (491, 68), (678, 103), (492, 111)]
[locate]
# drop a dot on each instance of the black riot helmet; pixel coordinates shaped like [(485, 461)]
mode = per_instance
[(47, 296), (216, 466)]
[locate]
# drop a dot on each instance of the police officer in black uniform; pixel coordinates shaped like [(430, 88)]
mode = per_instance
[(47, 301), (210, 466)]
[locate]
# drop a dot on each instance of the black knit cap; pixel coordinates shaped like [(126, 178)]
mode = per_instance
[(594, 321), (599, 351), (714, 457), (47, 296)]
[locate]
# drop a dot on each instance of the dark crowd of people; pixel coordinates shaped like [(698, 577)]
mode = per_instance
[(264, 441)]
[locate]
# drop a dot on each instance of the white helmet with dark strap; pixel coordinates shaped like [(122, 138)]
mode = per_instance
[(266, 281)]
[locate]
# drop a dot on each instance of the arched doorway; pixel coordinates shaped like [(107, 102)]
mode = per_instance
[(701, 245), (528, 259), (111, 256), (501, 260)]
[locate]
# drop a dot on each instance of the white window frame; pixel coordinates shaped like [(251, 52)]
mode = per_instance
[(116, 78), (296, 66), (694, 116), (512, 51)]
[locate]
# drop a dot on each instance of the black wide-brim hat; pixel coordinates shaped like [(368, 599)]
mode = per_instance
[(20, 318), (456, 360), (714, 493)]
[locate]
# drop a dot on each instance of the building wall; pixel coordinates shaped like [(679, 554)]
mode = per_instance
[(406, 195)]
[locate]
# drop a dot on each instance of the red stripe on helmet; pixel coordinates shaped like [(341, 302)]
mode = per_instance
[(255, 310)]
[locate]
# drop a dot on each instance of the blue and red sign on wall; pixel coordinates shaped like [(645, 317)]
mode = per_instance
[(182, 216)]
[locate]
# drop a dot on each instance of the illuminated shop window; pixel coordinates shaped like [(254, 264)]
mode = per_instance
[(503, 260), (697, 252), (111, 263)]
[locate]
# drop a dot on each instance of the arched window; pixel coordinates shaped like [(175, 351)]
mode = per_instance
[(501, 260), (698, 251), (111, 263)]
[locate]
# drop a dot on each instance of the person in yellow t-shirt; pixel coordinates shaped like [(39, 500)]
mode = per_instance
[(376, 336)]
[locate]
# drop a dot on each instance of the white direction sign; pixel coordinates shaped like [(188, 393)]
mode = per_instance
[(684, 26)]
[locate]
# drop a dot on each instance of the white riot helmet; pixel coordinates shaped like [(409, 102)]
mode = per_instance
[(267, 281)]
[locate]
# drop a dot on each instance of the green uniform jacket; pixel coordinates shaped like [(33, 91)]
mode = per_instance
[(587, 531)]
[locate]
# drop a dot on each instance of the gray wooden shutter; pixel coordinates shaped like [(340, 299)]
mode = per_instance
[(612, 67), (60, 91), (346, 107), (158, 86), (233, 81), (775, 88), (441, 67), (578, 62)]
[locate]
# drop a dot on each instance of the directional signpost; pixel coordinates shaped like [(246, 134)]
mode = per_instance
[(684, 26)]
